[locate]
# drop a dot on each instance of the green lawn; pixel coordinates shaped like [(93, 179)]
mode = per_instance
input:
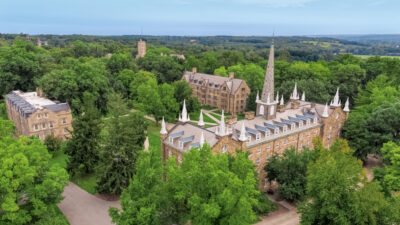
[(153, 132), (60, 158), (86, 181), (369, 56), (196, 116), (240, 117)]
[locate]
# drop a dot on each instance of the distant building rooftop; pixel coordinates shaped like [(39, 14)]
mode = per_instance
[(28, 102)]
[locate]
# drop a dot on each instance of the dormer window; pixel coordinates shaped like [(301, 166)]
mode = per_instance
[(315, 120), (248, 139), (308, 122), (292, 126), (284, 128), (301, 124), (276, 131), (258, 136), (267, 133)]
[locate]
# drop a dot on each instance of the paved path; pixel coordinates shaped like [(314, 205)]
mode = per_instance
[(82, 208), (285, 215), (211, 116)]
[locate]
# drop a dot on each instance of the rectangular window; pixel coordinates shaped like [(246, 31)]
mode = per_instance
[(64, 120), (45, 115), (43, 125), (35, 127), (38, 116), (65, 131), (51, 124)]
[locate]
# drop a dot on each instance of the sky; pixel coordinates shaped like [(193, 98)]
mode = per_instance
[(200, 17)]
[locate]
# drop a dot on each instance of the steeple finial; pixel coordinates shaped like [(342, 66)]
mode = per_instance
[(202, 140), (281, 103), (336, 100), (243, 133), (220, 130), (185, 116), (295, 95), (257, 97), (201, 121), (163, 127), (346, 106), (303, 96), (277, 97), (325, 113), (268, 87)]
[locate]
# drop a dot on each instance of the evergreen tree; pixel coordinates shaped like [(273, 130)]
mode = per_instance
[(82, 148), (124, 138), (141, 201)]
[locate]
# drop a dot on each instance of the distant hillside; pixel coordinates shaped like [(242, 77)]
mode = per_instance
[(368, 37)]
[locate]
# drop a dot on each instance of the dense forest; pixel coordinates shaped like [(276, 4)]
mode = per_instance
[(99, 77)]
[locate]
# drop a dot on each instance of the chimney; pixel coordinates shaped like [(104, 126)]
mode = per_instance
[(194, 70), (231, 75), (39, 92)]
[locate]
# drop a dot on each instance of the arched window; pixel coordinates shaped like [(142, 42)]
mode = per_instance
[(261, 110)]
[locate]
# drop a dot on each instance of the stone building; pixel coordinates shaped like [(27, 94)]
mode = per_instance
[(224, 93), (34, 115), (273, 128), (141, 49)]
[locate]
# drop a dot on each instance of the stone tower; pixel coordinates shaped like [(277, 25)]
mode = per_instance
[(141, 49), (267, 105)]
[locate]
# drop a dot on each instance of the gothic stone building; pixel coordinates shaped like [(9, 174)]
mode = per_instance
[(141, 49), (225, 93), (274, 127), (34, 115)]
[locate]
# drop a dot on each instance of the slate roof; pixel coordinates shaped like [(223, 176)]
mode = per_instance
[(216, 81)]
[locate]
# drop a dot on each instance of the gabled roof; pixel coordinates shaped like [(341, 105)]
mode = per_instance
[(217, 81)]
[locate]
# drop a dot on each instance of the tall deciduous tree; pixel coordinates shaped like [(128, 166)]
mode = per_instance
[(212, 189), (124, 138), (141, 202), (28, 187), (82, 148), (338, 190)]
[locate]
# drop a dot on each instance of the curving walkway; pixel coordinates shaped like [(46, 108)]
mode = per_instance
[(82, 208)]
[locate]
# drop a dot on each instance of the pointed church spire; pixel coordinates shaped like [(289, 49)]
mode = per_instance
[(185, 116), (202, 139), (325, 113), (268, 88), (277, 97), (163, 127), (303, 96), (220, 130), (294, 95), (281, 103), (201, 121), (243, 133), (336, 100), (346, 106)]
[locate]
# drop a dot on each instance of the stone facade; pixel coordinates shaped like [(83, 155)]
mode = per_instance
[(225, 93), (34, 115), (272, 129)]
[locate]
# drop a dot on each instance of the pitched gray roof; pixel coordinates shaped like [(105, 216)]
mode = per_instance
[(216, 81), (20, 104)]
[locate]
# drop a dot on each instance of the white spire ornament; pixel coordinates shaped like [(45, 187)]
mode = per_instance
[(201, 121), (163, 127), (220, 130), (303, 96), (277, 97), (325, 113), (202, 140), (336, 100), (281, 103), (257, 97), (346, 106), (243, 133), (185, 116), (294, 95)]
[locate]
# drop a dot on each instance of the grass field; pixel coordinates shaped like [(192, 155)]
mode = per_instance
[(196, 115)]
